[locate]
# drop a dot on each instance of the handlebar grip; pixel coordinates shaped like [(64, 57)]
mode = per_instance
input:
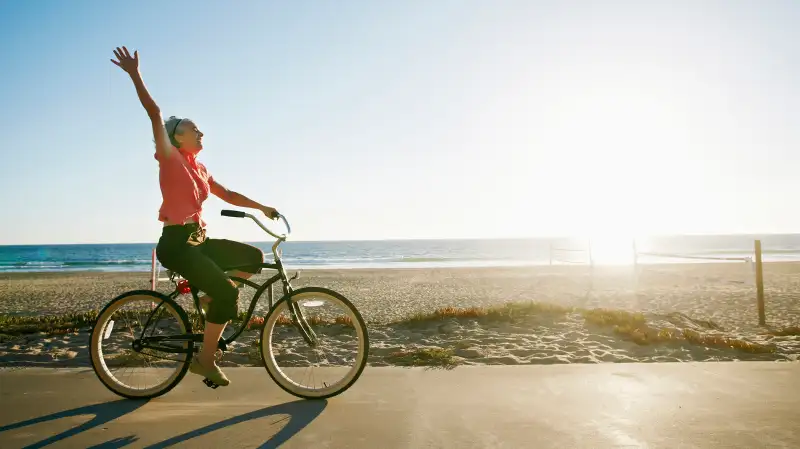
[(232, 213)]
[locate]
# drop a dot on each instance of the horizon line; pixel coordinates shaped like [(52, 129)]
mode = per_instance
[(396, 239)]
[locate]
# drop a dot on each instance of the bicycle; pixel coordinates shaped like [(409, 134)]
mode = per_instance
[(180, 340)]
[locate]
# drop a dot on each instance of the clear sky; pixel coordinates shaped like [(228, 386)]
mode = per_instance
[(415, 119)]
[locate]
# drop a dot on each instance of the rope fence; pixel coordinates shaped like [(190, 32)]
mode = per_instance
[(155, 271), (555, 255), (686, 256), (754, 264)]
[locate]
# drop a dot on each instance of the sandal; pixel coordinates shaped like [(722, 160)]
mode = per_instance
[(213, 373)]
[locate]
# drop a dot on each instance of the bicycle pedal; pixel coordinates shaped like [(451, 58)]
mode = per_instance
[(209, 383)]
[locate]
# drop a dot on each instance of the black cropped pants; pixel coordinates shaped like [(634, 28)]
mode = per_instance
[(203, 262)]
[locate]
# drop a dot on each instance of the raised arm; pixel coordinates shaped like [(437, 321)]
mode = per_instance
[(130, 64)]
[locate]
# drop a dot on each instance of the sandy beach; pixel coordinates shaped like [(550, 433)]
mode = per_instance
[(679, 297)]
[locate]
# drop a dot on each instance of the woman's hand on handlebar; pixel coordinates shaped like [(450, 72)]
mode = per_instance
[(270, 212)]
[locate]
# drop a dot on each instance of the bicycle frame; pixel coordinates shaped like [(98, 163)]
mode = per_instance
[(182, 287)]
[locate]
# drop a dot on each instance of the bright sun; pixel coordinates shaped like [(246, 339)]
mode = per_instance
[(612, 249)]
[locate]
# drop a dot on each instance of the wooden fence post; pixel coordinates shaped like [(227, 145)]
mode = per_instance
[(760, 285)]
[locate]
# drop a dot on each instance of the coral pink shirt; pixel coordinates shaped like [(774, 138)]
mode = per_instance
[(184, 186)]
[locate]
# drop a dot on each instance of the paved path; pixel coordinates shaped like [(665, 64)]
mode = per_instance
[(702, 405)]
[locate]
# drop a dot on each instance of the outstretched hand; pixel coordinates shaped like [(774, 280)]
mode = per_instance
[(125, 61)]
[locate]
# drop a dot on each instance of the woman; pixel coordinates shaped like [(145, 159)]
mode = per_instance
[(183, 247)]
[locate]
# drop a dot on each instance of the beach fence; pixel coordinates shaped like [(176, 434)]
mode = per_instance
[(573, 256), (754, 271), (155, 271), (564, 254), (752, 264)]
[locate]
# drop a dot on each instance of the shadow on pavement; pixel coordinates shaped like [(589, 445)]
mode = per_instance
[(115, 443), (103, 413), (300, 412)]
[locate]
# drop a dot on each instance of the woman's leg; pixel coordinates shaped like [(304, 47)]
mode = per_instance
[(202, 272), (225, 254), (205, 299), (205, 266), (213, 331), (190, 261), (230, 253)]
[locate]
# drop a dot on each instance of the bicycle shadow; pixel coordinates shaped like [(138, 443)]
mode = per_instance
[(301, 413), (103, 413)]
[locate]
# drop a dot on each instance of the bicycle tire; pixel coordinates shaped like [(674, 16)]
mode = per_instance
[(268, 359), (97, 331)]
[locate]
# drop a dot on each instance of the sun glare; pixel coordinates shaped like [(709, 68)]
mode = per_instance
[(592, 172), (610, 249)]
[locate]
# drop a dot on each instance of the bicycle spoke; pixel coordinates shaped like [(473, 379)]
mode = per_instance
[(336, 355), (119, 357)]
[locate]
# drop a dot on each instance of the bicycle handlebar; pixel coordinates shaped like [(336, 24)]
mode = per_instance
[(240, 214)]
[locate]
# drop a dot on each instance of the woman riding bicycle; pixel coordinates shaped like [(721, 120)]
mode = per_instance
[(183, 247)]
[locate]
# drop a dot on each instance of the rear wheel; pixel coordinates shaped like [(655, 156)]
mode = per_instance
[(332, 363), (121, 364)]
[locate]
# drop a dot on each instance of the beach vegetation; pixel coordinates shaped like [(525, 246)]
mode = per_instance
[(504, 312), (785, 332), (629, 326), (646, 335), (428, 357), (606, 317), (49, 324)]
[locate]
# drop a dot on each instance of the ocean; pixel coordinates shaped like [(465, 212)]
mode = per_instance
[(426, 253)]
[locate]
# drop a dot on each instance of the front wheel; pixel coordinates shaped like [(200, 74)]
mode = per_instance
[(332, 362), (119, 360)]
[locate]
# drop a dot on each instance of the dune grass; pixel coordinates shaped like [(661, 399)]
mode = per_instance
[(629, 326), (633, 327), (428, 357), (13, 325), (785, 332), (645, 335), (504, 312), (605, 317), (50, 324)]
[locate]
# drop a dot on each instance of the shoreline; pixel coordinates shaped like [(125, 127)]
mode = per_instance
[(672, 298), (601, 266), (420, 266)]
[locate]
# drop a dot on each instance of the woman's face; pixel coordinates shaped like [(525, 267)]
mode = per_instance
[(189, 137)]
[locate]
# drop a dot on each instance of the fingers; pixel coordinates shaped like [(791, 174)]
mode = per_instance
[(124, 56), (120, 54)]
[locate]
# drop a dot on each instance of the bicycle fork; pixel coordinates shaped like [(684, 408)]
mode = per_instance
[(300, 322)]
